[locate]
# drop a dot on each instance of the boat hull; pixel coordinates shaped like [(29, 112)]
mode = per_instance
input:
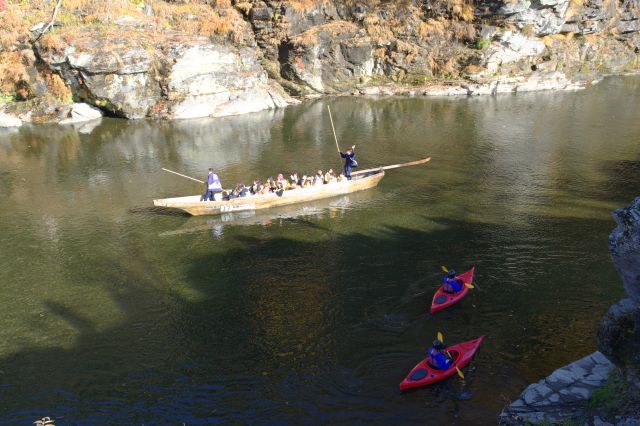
[(423, 374), (195, 207), (442, 300)]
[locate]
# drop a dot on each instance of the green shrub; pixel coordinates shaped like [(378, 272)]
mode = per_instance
[(612, 397), (7, 97), (482, 43)]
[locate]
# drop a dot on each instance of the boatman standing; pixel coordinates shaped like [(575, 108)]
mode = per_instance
[(213, 186), (350, 161), (451, 284)]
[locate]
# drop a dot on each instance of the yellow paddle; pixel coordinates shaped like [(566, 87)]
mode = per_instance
[(441, 338)]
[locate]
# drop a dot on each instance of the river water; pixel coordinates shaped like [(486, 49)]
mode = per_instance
[(116, 313)]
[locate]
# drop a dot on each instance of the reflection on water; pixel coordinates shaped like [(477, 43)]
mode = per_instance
[(281, 216), (124, 315)]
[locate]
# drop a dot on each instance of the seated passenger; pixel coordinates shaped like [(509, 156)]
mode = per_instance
[(340, 178), (281, 183), (271, 184), (438, 356), (240, 190), (304, 182), (450, 283), (254, 188), (320, 176), (263, 189)]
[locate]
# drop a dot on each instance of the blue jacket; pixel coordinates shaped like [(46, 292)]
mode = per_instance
[(213, 181), (451, 285), (438, 360), (348, 159)]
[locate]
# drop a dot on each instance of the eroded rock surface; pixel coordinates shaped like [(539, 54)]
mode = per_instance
[(176, 77)]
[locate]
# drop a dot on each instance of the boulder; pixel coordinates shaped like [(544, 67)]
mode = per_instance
[(81, 112), (7, 120)]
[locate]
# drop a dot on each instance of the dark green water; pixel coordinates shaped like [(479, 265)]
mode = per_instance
[(114, 313)]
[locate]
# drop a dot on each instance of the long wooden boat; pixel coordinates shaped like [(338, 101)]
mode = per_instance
[(193, 205)]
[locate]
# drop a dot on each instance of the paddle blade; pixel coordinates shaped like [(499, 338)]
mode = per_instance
[(459, 373), (440, 337), (469, 285), (444, 269)]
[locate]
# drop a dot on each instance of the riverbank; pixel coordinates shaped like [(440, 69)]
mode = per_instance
[(167, 60), (597, 390)]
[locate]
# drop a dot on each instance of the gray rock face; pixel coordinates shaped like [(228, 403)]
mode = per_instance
[(544, 17), (619, 331), (185, 78), (590, 17), (562, 394), (209, 80), (126, 60), (624, 244), (329, 58), (511, 47)]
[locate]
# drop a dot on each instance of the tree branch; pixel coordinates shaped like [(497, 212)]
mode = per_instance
[(53, 20)]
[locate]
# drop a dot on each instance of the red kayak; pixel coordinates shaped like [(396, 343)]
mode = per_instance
[(442, 300), (423, 374)]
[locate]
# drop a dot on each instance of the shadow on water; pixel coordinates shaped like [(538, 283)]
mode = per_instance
[(280, 329)]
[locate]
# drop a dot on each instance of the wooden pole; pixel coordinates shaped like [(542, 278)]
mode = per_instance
[(184, 176), (393, 166), (334, 129)]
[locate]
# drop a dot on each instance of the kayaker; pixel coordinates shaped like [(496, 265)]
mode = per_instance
[(213, 186), (450, 283), (437, 357), (350, 161)]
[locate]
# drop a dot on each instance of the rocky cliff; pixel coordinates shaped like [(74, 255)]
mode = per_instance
[(566, 393), (183, 59), (619, 332)]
